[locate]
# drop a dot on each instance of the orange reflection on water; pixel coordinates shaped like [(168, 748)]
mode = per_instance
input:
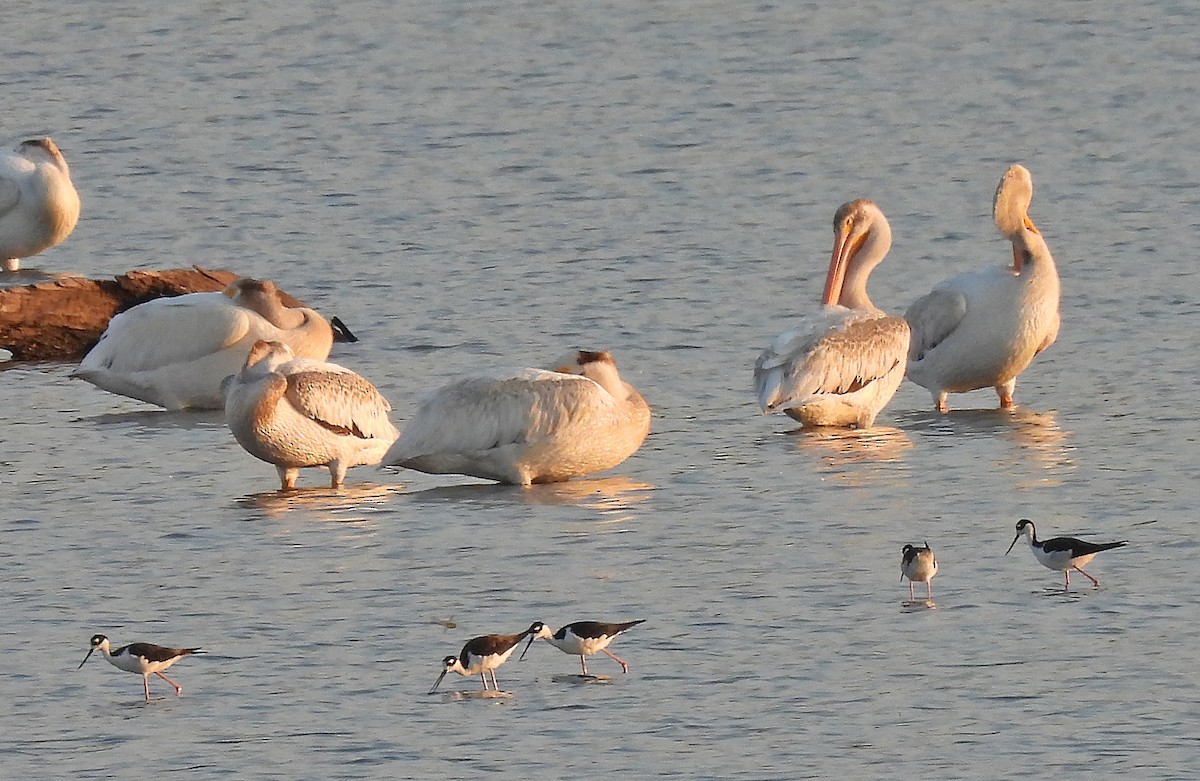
[(342, 505), (845, 452)]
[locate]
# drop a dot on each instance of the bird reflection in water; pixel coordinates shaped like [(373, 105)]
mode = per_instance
[(612, 497), (854, 456), (350, 504), (1042, 442)]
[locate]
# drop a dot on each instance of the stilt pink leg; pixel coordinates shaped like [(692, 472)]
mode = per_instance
[(146, 686), (624, 667), (1089, 577), (1067, 575), (911, 596), (583, 663), (178, 688), (483, 677), (929, 589), (495, 683)]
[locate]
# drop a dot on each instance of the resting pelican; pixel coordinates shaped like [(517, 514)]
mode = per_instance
[(174, 352), (38, 203), (843, 365), (533, 426), (983, 328), (295, 412)]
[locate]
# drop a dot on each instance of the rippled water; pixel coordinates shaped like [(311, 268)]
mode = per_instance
[(472, 185)]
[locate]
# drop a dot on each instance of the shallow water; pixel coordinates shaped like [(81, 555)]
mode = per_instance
[(473, 185)]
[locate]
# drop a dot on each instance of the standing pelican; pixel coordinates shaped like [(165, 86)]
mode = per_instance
[(38, 203), (533, 426), (174, 352), (983, 328), (294, 412), (843, 365)]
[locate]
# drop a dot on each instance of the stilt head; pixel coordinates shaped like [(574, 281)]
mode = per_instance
[(536, 630), (98, 642), (449, 664), (1024, 527)]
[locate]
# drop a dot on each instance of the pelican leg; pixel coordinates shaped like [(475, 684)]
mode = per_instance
[(1005, 391), (1089, 577), (287, 477), (337, 474), (624, 667)]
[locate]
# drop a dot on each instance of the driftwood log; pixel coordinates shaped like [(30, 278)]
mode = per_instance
[(60, 320)]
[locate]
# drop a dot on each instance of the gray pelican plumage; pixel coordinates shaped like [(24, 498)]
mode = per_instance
[(531, 426), (39, 206), (983, 328), (296, 412), (174, 352), (841, 366)]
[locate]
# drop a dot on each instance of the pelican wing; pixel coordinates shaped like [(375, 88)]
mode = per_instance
[(483, 413), (10, 194), (839, 352), (169, 331), (341, 401), (932, 318)]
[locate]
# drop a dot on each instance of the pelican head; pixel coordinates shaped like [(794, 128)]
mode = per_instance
[(861, 239), (271, 354), (1024, 527), (1010, 209), (98, 641), (42, 149)]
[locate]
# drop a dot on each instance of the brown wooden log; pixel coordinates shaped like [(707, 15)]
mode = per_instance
[(60, 320)]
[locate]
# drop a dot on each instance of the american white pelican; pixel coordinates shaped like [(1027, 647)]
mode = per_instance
[(295, 412), (841, 366), (533, 426), (174, 352), (38, 203), (981, 329)]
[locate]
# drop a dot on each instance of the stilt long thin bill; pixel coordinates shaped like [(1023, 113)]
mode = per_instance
[(531, 639), (438, 681), (1014, 542), (89, 656)]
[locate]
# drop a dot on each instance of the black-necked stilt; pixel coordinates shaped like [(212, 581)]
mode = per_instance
[(482, 655), (918, 565), (582, 639), (141, 658), (1062, 553)]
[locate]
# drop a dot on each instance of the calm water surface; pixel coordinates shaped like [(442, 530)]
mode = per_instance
[(474, 185)]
